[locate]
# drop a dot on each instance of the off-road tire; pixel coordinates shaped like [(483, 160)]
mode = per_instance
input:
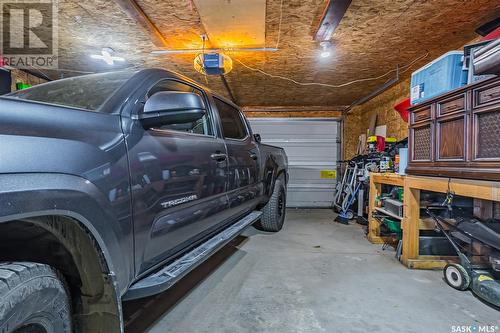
[(33, 298), (273, 213)]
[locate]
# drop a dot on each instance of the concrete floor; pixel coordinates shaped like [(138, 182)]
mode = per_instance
[(313, 276)]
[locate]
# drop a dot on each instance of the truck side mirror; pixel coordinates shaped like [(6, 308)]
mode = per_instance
[(172, 107), (257, 138)]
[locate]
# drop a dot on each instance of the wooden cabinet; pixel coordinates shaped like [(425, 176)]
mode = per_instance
[(457, 134)]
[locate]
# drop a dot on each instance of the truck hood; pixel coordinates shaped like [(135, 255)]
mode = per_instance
[(37, 137)]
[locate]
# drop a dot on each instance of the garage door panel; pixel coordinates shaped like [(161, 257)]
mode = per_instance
[(311, 151), (316, 197), (309, 175), (302, 129), (311, 145)]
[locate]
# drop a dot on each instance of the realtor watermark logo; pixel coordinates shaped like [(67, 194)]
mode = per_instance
[(474, 328), (29, 33)]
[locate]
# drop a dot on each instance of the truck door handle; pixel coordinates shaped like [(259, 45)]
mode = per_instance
[(219, 157), (253, 156)]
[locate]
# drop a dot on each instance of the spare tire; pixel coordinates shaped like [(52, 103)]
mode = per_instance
[(33, 298), (273, 213)]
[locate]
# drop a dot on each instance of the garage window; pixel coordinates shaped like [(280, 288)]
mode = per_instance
[(232, 121)]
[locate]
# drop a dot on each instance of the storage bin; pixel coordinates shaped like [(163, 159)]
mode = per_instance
[(394, 226), (437, 77)]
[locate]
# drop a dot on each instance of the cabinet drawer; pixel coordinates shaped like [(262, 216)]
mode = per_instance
[(487, 95), (421, 115), (455, 104)]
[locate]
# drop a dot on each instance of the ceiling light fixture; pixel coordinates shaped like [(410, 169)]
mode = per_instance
[(325, 54), (107, 56), (325, 49)]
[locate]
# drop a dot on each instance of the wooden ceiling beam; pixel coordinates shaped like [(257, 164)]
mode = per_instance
[(332, 15), (135, 12), (292, 112), (293, 108)]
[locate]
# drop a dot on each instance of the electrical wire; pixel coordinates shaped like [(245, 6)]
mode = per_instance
[(205, 76), (326, 84)]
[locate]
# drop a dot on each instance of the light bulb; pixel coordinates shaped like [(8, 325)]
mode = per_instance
[(325, 54)]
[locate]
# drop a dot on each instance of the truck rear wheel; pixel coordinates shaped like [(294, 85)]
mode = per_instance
[(273, 213), (32, 299)]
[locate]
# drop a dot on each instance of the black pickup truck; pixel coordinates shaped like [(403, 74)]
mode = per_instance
[(113, 186)]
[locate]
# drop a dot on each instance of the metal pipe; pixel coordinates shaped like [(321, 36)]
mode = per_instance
[(375, 92), (226, 85), (188, 51)]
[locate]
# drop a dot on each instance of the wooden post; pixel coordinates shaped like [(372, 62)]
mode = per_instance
[(373, 225), (411, 223)]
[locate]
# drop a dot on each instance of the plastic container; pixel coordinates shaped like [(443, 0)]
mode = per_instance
[(437, 77), (393, 226), (403, 161), (401, 193), (469, 56)]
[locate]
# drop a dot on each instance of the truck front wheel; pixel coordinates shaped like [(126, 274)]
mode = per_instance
[(273, 213), (33, 299)]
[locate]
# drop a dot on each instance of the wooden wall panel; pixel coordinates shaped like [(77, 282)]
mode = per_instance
[(20, 76), (357, 120)]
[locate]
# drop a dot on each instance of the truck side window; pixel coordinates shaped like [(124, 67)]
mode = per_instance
[(202, 126), (233, 126)]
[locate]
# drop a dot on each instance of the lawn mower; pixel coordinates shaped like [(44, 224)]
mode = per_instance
[(478, 247)]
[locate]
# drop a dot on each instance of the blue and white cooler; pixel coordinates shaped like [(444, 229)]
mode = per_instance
[(437, 77)]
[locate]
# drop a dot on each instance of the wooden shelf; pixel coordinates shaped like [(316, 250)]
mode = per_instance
[(376, 182), (431, 262), (379, 239), (380, 209), (427, 224), (387, 178), (412, 223)]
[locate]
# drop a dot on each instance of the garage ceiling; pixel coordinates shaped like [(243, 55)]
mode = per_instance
[(372, 38), (242, 25)]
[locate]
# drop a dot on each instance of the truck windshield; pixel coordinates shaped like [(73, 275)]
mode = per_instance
[(87, 92)]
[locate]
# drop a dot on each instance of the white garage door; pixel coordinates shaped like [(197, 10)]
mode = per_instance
[(312, 146)]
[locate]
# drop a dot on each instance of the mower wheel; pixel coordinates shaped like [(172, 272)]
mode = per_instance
[(456, 276)]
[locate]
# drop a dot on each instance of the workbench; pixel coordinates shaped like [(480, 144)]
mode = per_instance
[(411, 223)]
